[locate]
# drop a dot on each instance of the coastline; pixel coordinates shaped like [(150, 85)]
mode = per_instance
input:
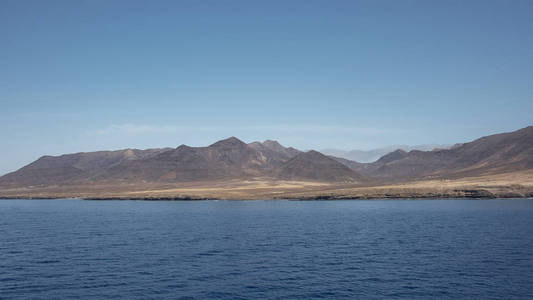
[(481, 196), (273, 199), (512, 185)]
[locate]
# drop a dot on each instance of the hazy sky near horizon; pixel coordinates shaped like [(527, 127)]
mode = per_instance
[(92, 75)]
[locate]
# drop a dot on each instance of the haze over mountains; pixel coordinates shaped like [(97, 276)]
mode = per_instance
[(366, 156), (233, 159), (498, 153)]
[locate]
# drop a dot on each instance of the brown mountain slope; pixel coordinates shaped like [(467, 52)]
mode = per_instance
[(71, 167), (499, 153), (229, 158), (316, 166), (223, 160), (288, 152), (274, 152), (233, 159)]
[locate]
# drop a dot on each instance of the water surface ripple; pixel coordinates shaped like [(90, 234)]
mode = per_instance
[(390, 249)]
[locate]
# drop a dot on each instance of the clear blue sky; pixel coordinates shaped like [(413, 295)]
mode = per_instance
[(90, 75)]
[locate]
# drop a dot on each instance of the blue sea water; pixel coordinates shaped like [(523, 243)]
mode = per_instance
[(390, 249)]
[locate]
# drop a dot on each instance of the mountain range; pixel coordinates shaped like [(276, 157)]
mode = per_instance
[(232, 159), (494, 154), (226, 159), (367, 156)]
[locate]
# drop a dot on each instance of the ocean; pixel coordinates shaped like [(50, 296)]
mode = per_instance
[(273, 249)]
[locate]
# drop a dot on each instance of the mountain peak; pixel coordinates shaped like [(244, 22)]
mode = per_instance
[(316, 166), (271, 142), (229, 142), (394, 155), (274, 145), (313, 154)]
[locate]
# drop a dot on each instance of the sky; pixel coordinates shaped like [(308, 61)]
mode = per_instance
[(81, 76)]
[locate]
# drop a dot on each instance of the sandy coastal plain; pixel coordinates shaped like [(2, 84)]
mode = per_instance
[(509, 185)]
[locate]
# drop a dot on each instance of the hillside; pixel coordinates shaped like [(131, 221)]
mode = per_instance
[(498, 153), (224, 160), (49, 170), (500, 164), (368, 156), (316, 166)]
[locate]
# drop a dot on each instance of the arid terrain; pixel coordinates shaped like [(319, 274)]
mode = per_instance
[(499, 165), (509, 185)]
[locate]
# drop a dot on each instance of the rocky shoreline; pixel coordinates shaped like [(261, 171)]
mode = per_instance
[(454, 194)]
